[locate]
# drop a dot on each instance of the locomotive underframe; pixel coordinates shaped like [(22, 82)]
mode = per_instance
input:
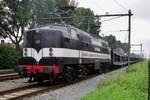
[(59, 67)]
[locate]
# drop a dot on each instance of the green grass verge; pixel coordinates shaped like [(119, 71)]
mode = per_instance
[(131, 85)]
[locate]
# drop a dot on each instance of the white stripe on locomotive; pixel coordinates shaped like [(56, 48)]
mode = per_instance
[(64, 52)]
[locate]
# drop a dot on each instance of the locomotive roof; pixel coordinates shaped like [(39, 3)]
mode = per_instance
[(87, 34), (64, 29)]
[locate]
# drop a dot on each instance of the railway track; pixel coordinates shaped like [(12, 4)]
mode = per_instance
[(31, 90), (35, 89), (12, 76)]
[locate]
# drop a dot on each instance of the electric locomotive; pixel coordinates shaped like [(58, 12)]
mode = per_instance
[(62, 51)]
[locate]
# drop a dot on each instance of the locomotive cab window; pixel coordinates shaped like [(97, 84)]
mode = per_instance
[(43, 38), (52, 38), (33, 39), (37, 38)]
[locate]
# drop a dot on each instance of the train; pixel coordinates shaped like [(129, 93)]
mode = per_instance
[(57, 51)]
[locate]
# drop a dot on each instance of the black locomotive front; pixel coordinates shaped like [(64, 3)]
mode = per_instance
[(37, 57)]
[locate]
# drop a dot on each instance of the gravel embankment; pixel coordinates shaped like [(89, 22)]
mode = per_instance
[(10, 84), (75, 91)]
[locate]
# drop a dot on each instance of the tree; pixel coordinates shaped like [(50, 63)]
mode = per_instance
[(65, 9), (62, 3), (18, 15), (113, 43), (49, 11), (9, 56), (111, 39), (41, 11), (84, 19), (14, 16)]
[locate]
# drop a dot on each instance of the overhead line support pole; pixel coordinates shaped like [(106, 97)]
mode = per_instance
[(129, 37), (141, 48), (129, 29), (112, 15)]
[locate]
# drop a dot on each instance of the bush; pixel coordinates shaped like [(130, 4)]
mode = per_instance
[(9, 57)]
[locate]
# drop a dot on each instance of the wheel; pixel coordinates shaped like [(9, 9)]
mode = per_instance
[(69, 74), (106, 68), (83, 72), (40, 80), (30, 78), (99, 71)]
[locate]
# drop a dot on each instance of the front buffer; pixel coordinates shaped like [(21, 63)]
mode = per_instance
[(38, 73)]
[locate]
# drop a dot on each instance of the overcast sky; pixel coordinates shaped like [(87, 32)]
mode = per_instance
[(140, 20)]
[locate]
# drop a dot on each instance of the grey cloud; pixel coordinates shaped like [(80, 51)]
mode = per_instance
[(141, 9)]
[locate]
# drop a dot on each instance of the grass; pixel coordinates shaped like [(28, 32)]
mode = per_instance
[(131, 85)]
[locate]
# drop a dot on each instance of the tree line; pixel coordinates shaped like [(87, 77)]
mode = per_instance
[(114, 43), (18, 15)]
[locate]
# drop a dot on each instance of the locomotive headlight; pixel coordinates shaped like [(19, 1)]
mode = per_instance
[(50, 51), (25, 51), (25, 54)]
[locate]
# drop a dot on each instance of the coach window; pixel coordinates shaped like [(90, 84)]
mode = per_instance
[(73, 33)]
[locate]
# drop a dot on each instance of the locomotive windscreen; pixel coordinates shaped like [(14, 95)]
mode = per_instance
[(41, 39)]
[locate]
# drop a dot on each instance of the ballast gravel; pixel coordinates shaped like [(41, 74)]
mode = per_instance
[(77, 90), (11, 84)]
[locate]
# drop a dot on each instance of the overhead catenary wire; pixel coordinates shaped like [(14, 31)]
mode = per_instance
[(111, 19), (112, 31), (96, 16), (119, 4), (51, 18), (99, 6), (118, 31), (80, 17)]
